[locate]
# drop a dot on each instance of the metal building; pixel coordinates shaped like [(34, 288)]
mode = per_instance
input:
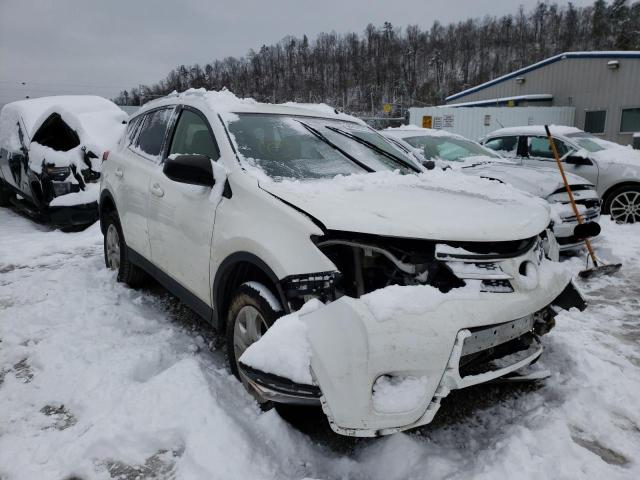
[(604, 88)]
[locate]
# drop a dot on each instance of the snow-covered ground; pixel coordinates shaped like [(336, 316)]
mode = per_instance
[(100, 381)]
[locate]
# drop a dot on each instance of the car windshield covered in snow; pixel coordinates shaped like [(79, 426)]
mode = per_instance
[(285, 146), (448, 148), (586, 141)]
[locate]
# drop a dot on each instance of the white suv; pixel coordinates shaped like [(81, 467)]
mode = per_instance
[(246, 211)]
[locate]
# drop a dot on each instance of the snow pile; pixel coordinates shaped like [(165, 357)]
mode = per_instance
[(101, 381), (535, 130), (397, 394), (394, 300), (284, 349), (89, 194), (96, 120)]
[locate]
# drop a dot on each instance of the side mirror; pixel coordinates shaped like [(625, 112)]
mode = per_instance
[(191, 169), (577, 160)]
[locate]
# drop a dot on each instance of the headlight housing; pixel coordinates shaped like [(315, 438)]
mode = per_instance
[(299, 289)]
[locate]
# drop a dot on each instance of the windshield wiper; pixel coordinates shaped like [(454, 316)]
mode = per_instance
[(324, 139), (374, 147)]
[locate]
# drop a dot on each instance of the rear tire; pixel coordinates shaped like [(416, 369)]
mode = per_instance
[(116, 255), (623, 204), (5, 195)]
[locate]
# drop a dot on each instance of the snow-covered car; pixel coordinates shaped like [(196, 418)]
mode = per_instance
[(457, 152), (341, 275), (614, 169), (50, 155)]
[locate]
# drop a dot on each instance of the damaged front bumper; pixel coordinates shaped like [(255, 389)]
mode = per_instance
[(455, 345), (73, 215)]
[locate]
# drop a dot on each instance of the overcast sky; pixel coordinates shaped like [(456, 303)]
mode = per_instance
[(102, 47)]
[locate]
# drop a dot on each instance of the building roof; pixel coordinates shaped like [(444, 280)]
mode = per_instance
[(543, 63)]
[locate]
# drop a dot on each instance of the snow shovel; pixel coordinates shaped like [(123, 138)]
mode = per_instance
[(584, 229)]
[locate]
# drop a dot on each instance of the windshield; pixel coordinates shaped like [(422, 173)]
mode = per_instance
[(448, 148), (285, 146), (586, 141)]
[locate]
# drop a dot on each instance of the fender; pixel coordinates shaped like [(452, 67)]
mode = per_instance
[(105, 196), (222, 277)]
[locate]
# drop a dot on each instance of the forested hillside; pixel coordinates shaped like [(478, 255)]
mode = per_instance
[(416, 65)]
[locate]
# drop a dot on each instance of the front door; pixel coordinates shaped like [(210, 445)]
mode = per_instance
[(538, 153), (181, 216)]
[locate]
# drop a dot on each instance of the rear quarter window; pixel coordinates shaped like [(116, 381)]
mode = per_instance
[(153, 131)]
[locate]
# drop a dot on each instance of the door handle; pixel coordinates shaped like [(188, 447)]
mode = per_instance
[(119, 172), (156, 190)]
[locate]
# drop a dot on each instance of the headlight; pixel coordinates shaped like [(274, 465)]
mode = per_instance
[(57, 173), (62, 188)]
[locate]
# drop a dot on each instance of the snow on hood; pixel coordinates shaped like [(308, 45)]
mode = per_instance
[(436, 205), (96, 120), (615, 154), (538, 181)]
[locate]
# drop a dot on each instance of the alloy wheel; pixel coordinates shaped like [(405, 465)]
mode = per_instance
[(625, 207), (249, 326), (113, 247)]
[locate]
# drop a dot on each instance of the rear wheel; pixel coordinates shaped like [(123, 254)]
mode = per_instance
[(116, 255), (623, 204), (5, 195)]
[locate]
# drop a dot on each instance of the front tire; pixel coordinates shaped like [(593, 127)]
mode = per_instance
[(248, 318), (5, 195), (116, 255), (623, 204)]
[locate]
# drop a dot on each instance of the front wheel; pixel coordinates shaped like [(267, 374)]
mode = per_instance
[(115, 253), (623, 204), (250, 315), (5, 195)]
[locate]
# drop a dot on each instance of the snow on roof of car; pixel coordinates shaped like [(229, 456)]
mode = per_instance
[(406, 131), (96, 120), (534, 130), (226, 102)]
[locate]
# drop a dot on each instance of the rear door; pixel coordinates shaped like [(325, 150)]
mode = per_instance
[(181, 216), (538, 153), (131, 173)]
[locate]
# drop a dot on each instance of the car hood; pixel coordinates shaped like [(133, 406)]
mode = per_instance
[(435, 205), (615, 154), (538, 181)]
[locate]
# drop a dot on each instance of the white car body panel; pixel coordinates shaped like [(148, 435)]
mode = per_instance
[(351, 349), (392, 212)]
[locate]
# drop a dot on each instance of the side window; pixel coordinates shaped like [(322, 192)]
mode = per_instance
[(152, 132), (539, 147), (192, 136), (132, 128), (507, 146)]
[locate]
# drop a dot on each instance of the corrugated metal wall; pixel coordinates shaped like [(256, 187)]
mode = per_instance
[(476, 122), (586, 83)]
